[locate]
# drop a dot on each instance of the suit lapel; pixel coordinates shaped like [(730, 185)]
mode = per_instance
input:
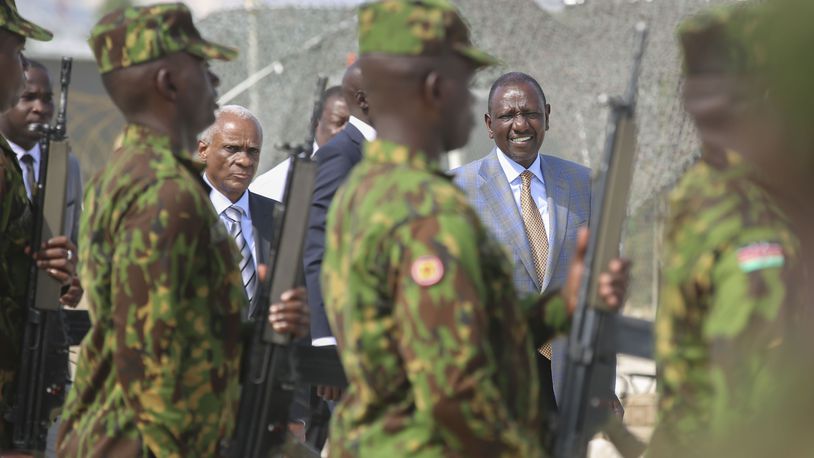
[(498, 195), (262, 238), (558, 197), (354, 134)]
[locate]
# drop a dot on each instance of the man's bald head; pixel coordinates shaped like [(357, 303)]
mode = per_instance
[(353, 89)]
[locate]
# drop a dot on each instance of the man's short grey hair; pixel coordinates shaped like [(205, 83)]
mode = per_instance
[(236, 110)]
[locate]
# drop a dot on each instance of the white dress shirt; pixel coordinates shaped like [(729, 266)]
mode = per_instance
[(512, 170), (271, 184), (221, 203), (35, 153), (366, 129)]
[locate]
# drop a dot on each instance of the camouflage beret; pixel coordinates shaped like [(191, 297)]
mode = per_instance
[(416, 28), (722, 40), (11, 20), (136, 35)]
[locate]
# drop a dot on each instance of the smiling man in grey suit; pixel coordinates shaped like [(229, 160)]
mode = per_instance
[(231, 150), (534, 204)]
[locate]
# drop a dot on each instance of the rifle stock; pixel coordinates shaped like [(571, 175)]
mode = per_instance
[(595, 331), (44, 369)]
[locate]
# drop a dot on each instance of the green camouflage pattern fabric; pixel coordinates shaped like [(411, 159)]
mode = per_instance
[(140, 34), (438, 351), (158, 371), (724, 39), (722, 314), (416, 28), (11, 20), (16, 225)]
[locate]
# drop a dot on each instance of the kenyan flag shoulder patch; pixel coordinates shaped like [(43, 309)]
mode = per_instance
[(762, 255)]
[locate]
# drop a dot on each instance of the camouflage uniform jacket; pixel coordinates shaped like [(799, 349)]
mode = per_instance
[(158, 370), (729, 254), (438, 350), (15, 232)]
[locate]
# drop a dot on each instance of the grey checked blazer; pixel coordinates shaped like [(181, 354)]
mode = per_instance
[(568, 188)]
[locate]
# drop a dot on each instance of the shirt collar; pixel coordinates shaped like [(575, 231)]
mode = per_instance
[(513, 169), (366, 129), (383, 151), (221, 202), (20, 151)]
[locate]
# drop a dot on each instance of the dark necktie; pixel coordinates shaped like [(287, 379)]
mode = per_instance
[(27, 161)]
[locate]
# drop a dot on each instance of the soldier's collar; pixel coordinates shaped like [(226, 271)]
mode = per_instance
[(138, 136), (392, 153)]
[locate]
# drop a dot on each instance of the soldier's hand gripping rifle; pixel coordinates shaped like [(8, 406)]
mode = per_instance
[(44, 370), (271, 376), (597, 335)]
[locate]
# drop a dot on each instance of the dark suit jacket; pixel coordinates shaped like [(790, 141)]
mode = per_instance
[(262, 211), (73, 200), (336, 158)]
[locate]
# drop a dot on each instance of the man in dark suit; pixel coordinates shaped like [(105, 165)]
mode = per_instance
[(330, 117), (231, 150), (36, 106), (534, 204), (336, 158)]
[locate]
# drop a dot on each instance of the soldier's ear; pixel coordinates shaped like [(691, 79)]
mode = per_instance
[(361, 101), (165, 85), (432, 90)]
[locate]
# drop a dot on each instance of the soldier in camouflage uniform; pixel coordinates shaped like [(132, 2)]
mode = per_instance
[(731, 250), (783, 429), (16, 218), (158, 372), (438, 350)]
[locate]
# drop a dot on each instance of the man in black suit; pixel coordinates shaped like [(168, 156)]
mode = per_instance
[(336, 158), (231, 150)]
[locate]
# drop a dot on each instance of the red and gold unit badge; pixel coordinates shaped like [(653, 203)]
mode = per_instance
[(427, 270)]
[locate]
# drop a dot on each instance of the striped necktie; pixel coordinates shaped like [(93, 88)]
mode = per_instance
[(537, 235), (247, 271)]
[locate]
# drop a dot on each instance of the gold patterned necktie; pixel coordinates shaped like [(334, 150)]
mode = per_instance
[(537, 235)]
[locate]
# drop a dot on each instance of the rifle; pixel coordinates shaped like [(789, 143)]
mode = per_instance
[(44, 369), (598, 334), (273, 362)]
